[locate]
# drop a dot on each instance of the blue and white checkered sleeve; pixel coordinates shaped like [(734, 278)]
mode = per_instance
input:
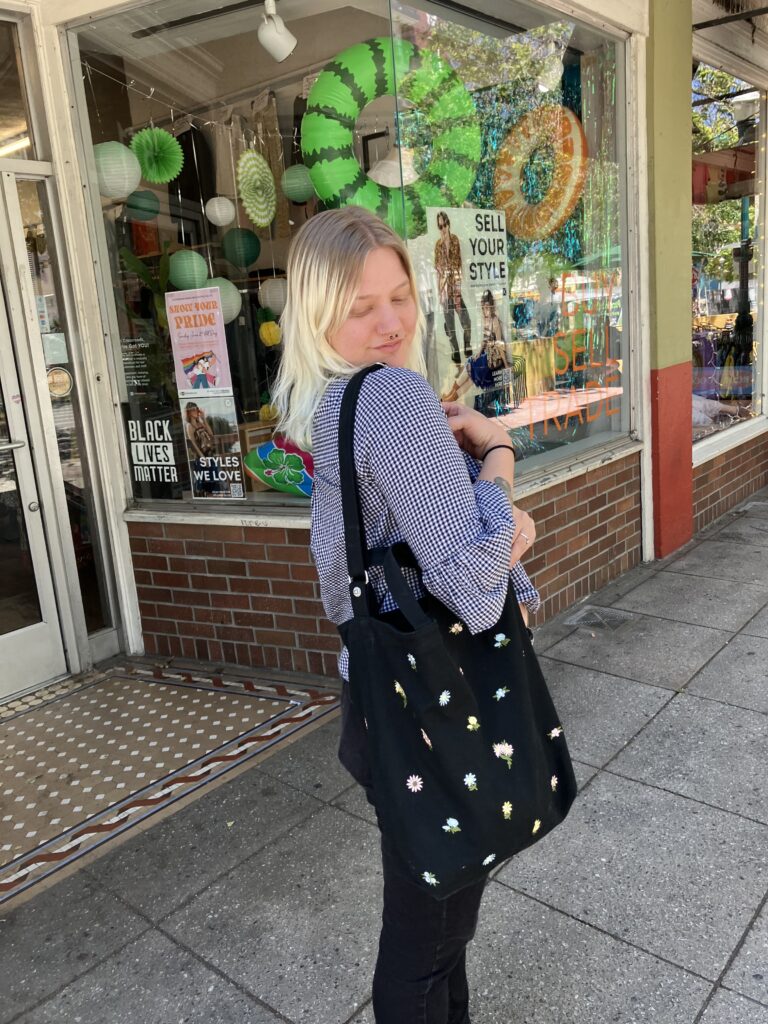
[(460, 533)]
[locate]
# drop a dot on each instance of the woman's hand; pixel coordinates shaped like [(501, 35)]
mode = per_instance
[(474, 432), (524, 535)]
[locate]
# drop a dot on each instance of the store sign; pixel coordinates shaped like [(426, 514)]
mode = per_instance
[(151, 447), (213, 447), (199, 342), (135, 353)]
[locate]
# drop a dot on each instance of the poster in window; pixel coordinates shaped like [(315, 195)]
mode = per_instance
[(213, 446), (199, 342), (468, 253)]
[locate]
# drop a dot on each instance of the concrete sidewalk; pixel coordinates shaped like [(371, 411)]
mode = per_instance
[(260, 902)]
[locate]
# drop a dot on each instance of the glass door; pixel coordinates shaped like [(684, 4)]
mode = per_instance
[(31, 647)]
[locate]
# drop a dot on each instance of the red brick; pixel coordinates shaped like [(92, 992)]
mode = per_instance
[(304, 572), (245, 552), (145, 529), (297, 537), (208, 583), (288, 553), (226, 567), (216, 615), (270, 570), (263, 535), (230, 534), (176, 612), (230, 601), (259, 620), (163, 546), (292, 588), (319, 643), (174, 580), (204, 548)]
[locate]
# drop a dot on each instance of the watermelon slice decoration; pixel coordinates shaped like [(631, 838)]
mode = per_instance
[(281, 465)]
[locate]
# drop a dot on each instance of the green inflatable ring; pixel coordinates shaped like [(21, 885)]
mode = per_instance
[(349, 83)]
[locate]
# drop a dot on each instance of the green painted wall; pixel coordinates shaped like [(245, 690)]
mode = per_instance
[(669, 170)]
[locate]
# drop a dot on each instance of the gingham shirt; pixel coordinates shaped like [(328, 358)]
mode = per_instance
[(417, 486)]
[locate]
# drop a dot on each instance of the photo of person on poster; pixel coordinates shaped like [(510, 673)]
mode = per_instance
[(213, 447), (482, 369), (448, 271)]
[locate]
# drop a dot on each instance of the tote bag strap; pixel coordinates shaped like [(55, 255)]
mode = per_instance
[(358, 557), (354, 534)]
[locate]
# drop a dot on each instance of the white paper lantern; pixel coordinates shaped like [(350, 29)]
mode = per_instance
[(220, 211), (273, 294), (231, 299), (117, 169)]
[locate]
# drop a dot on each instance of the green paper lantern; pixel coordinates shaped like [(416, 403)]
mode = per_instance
[(187, 269), (296, 184), (257, 188), (231, 299), (160, 155), (241, 247), (142, 205), (117, 169)]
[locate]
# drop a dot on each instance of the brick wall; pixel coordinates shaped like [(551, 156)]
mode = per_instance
[(721, 483), (249, 595)]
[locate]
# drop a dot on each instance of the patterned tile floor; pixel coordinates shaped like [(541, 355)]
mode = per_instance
[(87, 758)]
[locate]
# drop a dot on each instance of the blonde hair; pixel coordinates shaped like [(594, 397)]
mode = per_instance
[(325, 264)]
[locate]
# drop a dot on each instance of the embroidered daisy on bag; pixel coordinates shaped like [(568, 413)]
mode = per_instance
[(444, 698), (504, 751), (429, 878), (415, 783), (557, 731), (500, 640), (553, 783), (506, 810), (426, 739), (401, 693), (412, 661), (472, 724), (451, 825), (501, 692), (489, 859), (470, 781), (536, 827), (456, 628)]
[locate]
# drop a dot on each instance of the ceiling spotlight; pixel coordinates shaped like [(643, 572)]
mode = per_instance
[(273, 35)]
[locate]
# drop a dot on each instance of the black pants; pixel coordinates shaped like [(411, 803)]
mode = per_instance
[(420, 975), (451, 308)]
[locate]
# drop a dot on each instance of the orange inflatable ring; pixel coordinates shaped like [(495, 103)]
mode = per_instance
[(559, 128)]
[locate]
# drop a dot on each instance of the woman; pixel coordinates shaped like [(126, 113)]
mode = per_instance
[(479, 369), (352, 301)]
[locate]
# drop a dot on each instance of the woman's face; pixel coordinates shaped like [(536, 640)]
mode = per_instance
[(381, 324)]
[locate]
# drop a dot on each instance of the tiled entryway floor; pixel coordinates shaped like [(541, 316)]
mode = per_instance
[(91, 757)]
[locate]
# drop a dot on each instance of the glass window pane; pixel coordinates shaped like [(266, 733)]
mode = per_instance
[(520, 257), (727, 166), (19, 605), (62, 389), (15, 131), (534, 148)]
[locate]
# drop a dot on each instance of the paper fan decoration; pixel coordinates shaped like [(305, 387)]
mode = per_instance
[(257, 188), (160, 155)]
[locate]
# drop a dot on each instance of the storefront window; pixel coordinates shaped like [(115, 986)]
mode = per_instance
[(727, 170), (491, 144), (16, 141)]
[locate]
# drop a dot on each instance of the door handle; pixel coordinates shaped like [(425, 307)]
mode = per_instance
[(12, 445)]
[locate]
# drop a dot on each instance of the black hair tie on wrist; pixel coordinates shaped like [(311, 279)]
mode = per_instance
[(495, 446)]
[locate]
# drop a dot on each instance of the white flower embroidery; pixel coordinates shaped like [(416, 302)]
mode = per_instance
[(470, 781), (506, 810), (444, 697), (456, 628), (553, 783), (557, 731), (472, 724), (415, 783), (501, 692), (451, 825), (461, 671), (429, 878), (489, 859), (426, 739), (401, 693), (500, 640), (411, 661), (504, 751), (536, 826)]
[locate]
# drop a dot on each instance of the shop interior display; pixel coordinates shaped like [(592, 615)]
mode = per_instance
[(436, 116)]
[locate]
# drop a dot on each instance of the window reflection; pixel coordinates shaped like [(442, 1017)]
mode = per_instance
[(15, 133)]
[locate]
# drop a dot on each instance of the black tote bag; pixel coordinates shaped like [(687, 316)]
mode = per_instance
[(468, 759)]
